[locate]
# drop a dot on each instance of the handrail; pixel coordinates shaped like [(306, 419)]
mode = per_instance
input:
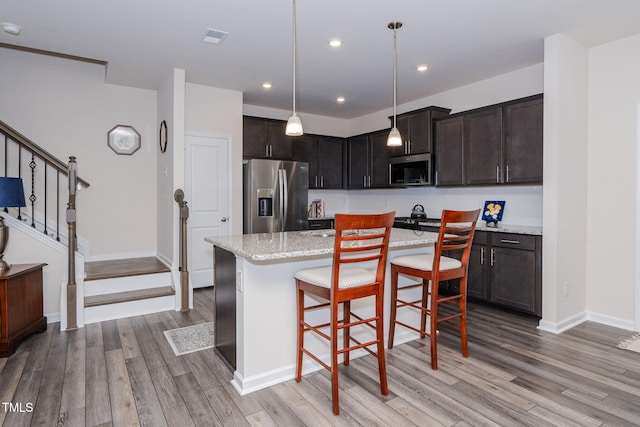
[(45, 155), (178, 196)]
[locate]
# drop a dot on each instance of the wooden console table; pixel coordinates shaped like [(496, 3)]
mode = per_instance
[(20, 305)]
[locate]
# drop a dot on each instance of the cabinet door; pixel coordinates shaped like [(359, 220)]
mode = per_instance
[(279, 141), (379, 169), (420, 133), (477, 274), (513, 273), (483, 147), (330, 162), (305, 149), (254, 137), (449, 140), (523, 142), (358, 172)]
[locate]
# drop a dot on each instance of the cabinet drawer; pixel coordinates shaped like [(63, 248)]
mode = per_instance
[(320, 224), (515, 241)]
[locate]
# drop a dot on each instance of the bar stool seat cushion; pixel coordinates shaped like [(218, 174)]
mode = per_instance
[(425, 262), (350, 276)]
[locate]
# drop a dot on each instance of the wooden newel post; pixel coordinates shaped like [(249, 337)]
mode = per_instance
[(72, 322), (184, 271)]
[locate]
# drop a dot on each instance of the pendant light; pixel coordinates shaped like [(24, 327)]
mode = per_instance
[(394, 139), (294, 124)]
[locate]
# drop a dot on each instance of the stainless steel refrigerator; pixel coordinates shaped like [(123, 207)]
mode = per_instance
[(275, 195)]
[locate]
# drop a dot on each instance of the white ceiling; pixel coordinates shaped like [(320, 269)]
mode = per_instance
[(463, 41)]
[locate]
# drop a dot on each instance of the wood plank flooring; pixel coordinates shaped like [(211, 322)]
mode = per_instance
[(123, 373)]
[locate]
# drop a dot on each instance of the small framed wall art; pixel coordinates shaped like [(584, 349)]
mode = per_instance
[(163, 136), (492, 212), (123, 139)]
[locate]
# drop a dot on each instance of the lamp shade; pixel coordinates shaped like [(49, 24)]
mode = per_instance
[(294, 126), (11, 193), (394, 139)]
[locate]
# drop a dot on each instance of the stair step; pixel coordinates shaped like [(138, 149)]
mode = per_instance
[(98, 270), (114, 298)]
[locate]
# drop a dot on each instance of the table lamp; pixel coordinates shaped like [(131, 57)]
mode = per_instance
[(11, 196)]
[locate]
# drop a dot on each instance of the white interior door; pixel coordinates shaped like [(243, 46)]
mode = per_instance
[(207, 195)]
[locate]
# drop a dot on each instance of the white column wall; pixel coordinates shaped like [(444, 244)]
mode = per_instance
[(565, 183), (614, 93)]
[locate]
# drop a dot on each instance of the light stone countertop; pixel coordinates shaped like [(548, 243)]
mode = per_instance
[(502, 228), (262, 247)]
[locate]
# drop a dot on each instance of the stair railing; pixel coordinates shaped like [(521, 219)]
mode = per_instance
[(72, 315), (44, 173), (178, 196)]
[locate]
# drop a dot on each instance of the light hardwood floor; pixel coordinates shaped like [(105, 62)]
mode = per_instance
[(123, 373)]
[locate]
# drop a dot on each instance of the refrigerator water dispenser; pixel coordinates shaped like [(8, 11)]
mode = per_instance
[(265, 202)]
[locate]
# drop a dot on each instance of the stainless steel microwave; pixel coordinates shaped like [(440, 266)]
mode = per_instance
[(410, 170)]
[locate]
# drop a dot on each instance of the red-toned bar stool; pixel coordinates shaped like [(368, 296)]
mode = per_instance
[(358, 271), (454, 240)]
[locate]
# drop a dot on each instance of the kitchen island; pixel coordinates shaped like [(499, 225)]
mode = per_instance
[(255, 300)]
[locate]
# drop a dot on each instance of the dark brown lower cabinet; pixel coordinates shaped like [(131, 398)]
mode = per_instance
[(506, 269)]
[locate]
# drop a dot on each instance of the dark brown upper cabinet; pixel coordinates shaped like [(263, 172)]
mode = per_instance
[(368, 161), (325, 156), (448, 148), (265, 138), (523, 142), (416, 130), (498, 144)]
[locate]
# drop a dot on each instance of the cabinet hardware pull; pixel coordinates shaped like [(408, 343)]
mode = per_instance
[(498, 174), (514, 242), (266, 150), (322, 181), (436, 178), (507, 173), (364, 181), (369, 181), (316, 180), (482, 256), (492, 257)]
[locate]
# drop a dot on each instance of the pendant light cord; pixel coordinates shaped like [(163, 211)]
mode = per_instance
[(294, 57), (395, 75)]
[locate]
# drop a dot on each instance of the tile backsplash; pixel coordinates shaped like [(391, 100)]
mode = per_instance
[(523, 203)]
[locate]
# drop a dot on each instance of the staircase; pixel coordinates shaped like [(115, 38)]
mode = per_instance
[(126, 287)]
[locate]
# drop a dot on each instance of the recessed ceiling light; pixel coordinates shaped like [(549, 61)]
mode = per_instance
[(340, 99), (214, 36), (335, 42), (266, 85), (10, 28), (422, 68)]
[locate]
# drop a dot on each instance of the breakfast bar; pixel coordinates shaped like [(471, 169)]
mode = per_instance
[(255, 299)]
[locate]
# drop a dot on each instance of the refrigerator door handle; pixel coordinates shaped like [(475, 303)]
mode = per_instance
[(285, 198)]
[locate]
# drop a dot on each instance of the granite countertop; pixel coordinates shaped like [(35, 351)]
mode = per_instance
[(502, 228), (301, 244)]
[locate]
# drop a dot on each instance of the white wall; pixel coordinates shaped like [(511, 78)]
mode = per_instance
[(65, 107), (219, 111), (614, 93), (565, 183)]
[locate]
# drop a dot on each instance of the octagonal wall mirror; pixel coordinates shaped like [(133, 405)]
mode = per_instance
[(123, 140)]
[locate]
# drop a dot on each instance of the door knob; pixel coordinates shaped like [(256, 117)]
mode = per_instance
[(224, 219)]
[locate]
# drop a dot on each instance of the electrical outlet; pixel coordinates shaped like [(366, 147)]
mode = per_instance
[(565, 289)]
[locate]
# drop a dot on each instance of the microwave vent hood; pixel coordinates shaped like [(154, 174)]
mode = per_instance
[(412, 170)]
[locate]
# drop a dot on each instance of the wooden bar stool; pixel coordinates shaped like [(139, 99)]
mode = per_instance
[(358, 271), (454, 240)]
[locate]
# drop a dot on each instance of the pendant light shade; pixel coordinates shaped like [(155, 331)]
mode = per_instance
[(294, 124), (394, 139)]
